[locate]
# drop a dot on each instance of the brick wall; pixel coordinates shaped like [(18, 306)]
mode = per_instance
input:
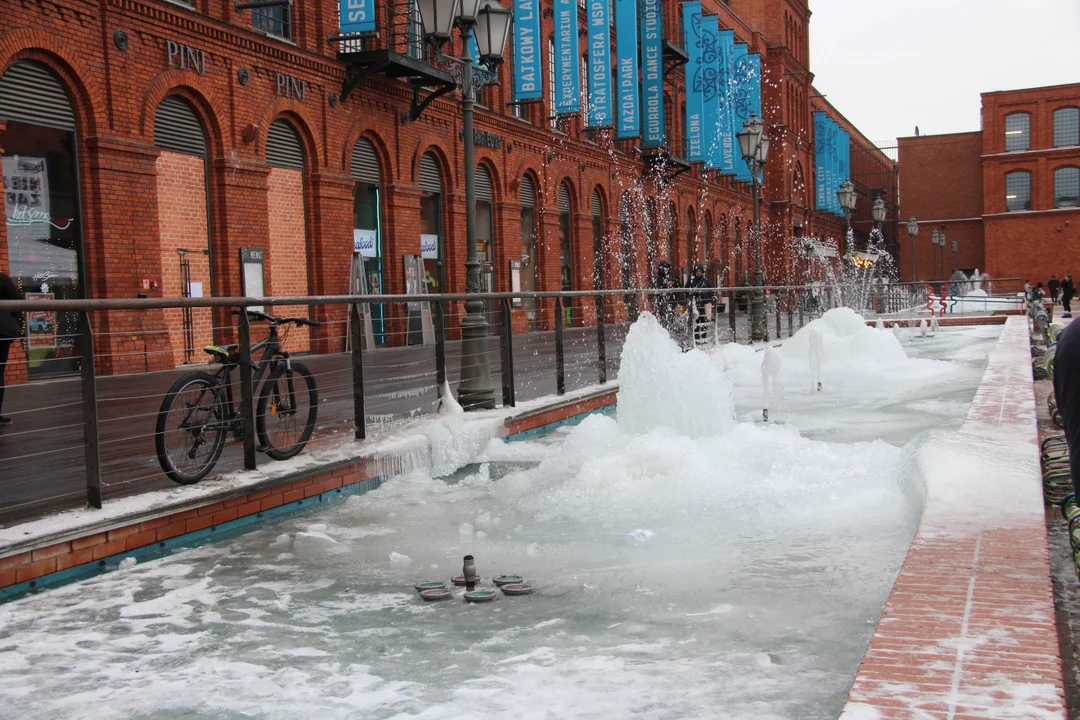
[(181, 190)]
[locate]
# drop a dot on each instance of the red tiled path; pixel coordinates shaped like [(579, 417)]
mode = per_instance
[(969, 629)]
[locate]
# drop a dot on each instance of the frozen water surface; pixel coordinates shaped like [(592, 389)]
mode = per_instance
[(685, 564)]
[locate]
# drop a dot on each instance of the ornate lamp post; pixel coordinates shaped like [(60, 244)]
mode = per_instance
[(491, 23), (913, 232), (955, 247), (877, 212), (942, 243), (754, 145), (934, 239), (848, 198)]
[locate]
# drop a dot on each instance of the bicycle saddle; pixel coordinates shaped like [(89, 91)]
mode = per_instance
[(220, 351)]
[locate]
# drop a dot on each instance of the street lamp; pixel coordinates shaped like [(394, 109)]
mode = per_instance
[(955, 247), (877, 212), (934, 235), (942, 244), (492, 23), (847, 197), (754, 145), (913, 232)]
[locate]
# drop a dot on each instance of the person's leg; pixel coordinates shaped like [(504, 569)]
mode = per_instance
[(5, 347)]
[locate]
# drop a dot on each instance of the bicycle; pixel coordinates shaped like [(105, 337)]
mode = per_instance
[(198, 411)]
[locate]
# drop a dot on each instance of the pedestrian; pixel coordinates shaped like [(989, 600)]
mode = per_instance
[(1038, 293), (1055, 287), (1027, 291), (700, 300), (9, 332), (1067, 391), (1068, 290), (665, 302)]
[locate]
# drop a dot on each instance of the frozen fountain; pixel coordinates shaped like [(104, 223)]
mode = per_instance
[(771, 381), (817, 353), (922, 328)]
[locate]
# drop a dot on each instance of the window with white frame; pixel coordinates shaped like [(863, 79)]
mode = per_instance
[(1018, 190), (1066, 127), (1017, 132), (1067, 187)]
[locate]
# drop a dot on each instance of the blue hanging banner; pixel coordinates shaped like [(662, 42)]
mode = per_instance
[(727, 144), (628, 114), (711, 91), (695, 94), (356, 16), (740, 103), (845, 155), (820, 198), (834, 164), (652, 73), (599, 63), (830, 174), (567, 63), (528, 76)]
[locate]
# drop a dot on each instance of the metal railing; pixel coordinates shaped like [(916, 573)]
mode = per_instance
[(90, 438)]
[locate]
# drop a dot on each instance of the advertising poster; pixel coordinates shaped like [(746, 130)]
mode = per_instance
[(40, 325), (26, 198), (364, 242)]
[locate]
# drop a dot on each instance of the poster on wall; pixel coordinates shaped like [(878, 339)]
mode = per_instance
[(40, 325), (26, 198), (515, 280), (429, 247), (364, 242)]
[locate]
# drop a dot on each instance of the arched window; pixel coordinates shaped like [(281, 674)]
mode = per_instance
[(431, 221), (706, 232), (287, 221), (485, 228), (672, 232), (1066, 127), (627, 237), (1067, 187), (1017, 132), (691, 241), (1018, 190), (527, 198), (183, 225), (43, 181), (566, 248), (367, 270), (598, 240)]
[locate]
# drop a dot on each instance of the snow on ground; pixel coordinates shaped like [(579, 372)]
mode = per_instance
[(683, 568)]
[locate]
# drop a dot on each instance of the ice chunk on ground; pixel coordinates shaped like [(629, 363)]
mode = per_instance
[(399, 560), (128, 562), (312, 544), (466, 529)]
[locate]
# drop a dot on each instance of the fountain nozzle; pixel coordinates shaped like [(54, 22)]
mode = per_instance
[(765, 414), (469, 572), (819, 387)]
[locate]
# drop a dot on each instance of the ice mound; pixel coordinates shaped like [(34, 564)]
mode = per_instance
[(847, 341), (661, 386)]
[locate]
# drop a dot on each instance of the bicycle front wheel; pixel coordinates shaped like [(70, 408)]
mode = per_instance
[(190, 433), (288, 406)]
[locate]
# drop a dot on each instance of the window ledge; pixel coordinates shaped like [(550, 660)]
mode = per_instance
[(182, 4)]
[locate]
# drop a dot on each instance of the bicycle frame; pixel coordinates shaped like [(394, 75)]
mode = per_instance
[(272, 351)]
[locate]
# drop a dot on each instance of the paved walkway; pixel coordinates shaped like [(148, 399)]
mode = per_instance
[(969, 629)]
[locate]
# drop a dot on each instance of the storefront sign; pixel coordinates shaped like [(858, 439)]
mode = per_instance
[(357, 16), (185, 57), (40, 325), (482, 138), (652, 73), (527, 73), (252, 277), (290, 87), (429, 247), (364, 242)]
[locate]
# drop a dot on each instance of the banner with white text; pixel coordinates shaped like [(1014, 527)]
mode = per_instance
[(567, 62), (356, 16), (599, 75), (628, 113), (652, 73), (695, 80), (528, 63)]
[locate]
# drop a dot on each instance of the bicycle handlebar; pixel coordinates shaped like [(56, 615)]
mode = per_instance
[(278, 320)]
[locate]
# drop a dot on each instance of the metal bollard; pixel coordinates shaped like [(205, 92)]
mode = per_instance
[(91, 446), (247, 392), (359, 408)]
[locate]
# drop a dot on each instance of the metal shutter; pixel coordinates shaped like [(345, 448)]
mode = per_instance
[(528, 192), (430, 177), (30, 93), (177, 127), (365, 163), (483, 185), (596, 205), (564, 199), (283, 147)]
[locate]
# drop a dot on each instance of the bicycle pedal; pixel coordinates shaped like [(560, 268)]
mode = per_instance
[(261, 448)]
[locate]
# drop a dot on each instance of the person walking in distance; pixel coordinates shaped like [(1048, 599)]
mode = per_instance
[(1068, 291), (9, 331), (1054, 286)]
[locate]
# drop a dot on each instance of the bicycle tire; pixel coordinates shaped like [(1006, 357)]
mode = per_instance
[(189, 477), (273, 407)]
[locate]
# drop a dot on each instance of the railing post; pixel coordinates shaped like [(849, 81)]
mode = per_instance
[(507, 348), (359, 409), (90, 415), (440, 344), (601, 341), (802, 300), (790, 313), (779, 332), (247, 392), (560, 369), (734, 306)]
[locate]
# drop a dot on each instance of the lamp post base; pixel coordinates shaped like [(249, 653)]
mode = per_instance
[(475, 392)]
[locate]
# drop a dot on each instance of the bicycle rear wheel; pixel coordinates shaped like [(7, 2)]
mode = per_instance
[(190, 433), (288, 406)]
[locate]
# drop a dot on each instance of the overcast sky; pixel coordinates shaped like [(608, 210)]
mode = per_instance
[(894, 64)]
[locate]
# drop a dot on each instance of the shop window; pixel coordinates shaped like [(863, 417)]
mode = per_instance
[(1017, 132), (1018, 190), (527, 197), (1066, 127), (1067, 187), (598, 240)]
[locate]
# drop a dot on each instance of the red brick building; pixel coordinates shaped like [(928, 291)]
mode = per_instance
[(148, 143), (1007, 195)]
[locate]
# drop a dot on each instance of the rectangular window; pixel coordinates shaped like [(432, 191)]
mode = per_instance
[(551, 85), (1067, 127), (1067, 187), (276, 21), (1017, 132), (1018, 191), (585, 90)]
